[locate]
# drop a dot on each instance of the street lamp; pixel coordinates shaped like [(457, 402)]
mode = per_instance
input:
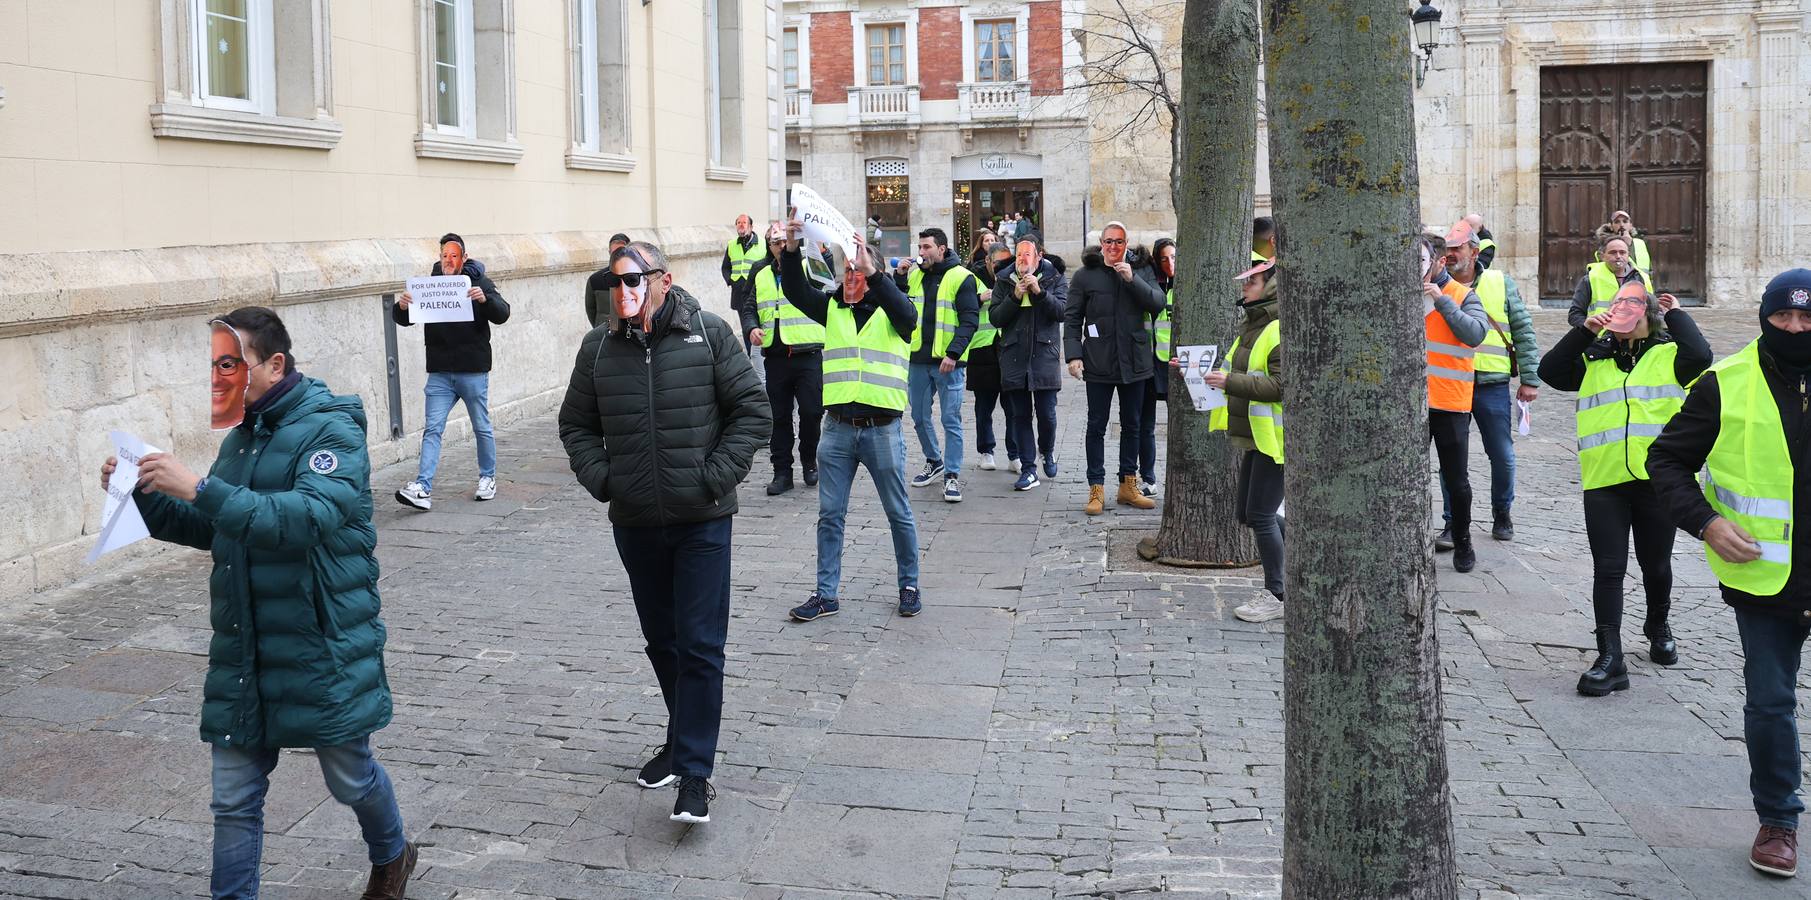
[(1427, 36)]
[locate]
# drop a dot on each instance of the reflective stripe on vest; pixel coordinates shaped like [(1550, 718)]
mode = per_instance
[(947, 321), (740, 260), (771, 304), (866, 366), (1748, 475), (1620, 414), (1493, 354), (1160, 328), (1604, 286), (1449, 360), (1265, 419)]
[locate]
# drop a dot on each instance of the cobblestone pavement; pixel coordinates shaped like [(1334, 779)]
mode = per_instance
[(1060, 722)]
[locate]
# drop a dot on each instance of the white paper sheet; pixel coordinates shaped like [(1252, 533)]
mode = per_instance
[(1198, 360), (824, 225), (440, 298), (120, 522)]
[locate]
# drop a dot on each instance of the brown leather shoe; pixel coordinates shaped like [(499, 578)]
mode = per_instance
[(389, 880), (1775, 851), (1097, 500), (1130, 495)]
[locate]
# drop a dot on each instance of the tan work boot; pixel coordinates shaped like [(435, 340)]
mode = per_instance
[(1130, 495), (389, 880), (1097, 500)]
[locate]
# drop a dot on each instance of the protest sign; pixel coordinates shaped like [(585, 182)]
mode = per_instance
[(120, 522), (824, 226), (1198, 360), (440, 298)]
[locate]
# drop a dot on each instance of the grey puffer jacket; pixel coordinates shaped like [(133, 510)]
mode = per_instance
[(664, 426)]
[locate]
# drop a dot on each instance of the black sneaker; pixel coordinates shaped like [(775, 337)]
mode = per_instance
[(910, 604), (658, 772), (1501, 527), (1444, 540), (811, 476), (694, 803), (781, 483), (932, 471), (816, 608), (1464, 558)]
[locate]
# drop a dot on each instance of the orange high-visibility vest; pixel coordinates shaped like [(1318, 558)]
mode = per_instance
[(1449, 360)]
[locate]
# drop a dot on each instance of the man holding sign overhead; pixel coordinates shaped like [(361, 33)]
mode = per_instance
[(458, 369)]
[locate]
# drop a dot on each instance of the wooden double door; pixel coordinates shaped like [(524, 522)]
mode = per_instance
[(1632, 138)]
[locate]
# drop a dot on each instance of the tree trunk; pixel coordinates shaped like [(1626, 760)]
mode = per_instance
[(1218, 151), (1366, 808)]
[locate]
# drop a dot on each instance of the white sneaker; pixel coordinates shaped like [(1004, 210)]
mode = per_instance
[(413, 494), (487, 488), (1012, 465), (988, 463), (1263, 608), (1147, 488)]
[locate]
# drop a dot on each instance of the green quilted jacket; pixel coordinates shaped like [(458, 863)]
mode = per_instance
[(296, 658)]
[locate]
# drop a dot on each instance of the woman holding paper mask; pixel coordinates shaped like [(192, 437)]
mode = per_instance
[(1251, 374), (1629, 365)]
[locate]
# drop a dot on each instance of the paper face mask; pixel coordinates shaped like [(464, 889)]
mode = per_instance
[(228, 378)]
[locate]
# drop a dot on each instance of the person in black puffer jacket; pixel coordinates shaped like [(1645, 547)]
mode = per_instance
[(1027, 307), (458, 369), (662, 420), (1107, 345)]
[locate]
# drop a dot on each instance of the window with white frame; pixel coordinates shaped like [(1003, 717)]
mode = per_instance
[(600, 87), (996, 53), (249, 71), (468, 96), (789, 57), (886, 54), (723, 88)]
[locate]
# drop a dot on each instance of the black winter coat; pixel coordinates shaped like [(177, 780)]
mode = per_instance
[(1030, 341), (664, 426), (462, 346), (1118, 351)]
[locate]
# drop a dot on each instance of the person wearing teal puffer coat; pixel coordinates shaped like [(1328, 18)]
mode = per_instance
[(296, 658)]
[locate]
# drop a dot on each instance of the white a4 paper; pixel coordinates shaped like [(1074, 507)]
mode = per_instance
[(120, 522)]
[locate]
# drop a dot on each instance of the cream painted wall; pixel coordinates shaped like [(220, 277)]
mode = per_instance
[(80, 169)]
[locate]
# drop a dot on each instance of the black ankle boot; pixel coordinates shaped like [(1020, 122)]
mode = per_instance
[(1662, 649), (1607, 672), (1501, 528), (1464, 557)]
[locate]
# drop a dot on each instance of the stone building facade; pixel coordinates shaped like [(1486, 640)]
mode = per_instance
[(1545, 121), (163, 161), (920, 115)]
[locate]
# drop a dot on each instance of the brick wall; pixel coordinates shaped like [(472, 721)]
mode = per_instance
[(939, 52), (832, 68), (1045, 47)]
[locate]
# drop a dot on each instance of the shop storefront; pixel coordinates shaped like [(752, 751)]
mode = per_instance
[(988, 187)]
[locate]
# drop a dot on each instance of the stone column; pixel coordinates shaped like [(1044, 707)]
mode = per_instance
[(1482, 117), (1782, 110)]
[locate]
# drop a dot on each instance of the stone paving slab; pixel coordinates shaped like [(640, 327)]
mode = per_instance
[(1063, 721)]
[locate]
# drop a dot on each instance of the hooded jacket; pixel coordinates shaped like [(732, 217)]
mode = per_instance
[(462, 346), (1030, 337), (1104, 322), (297, 658), (663, 426)]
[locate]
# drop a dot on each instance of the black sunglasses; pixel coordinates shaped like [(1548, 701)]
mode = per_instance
[(631, 279)]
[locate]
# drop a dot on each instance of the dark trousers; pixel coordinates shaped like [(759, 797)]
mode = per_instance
[(1611, 513), (1019, 408), (1771, 646), (1452, 436), (680, 577), (1131, 408), (795, 379), (985, 401), (1154, 391), (1260, 494)]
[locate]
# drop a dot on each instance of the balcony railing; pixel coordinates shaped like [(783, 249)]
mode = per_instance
[(798, 107), (883, 106), (988, 101)]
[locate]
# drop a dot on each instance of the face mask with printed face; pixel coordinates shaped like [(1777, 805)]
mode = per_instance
[(855, 286)]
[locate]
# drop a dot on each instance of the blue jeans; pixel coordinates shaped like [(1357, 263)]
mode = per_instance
[(444, 389), (679, 575), (1771, 646), (1492, 411), (241, 777), (882, 450), (928, 383)]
